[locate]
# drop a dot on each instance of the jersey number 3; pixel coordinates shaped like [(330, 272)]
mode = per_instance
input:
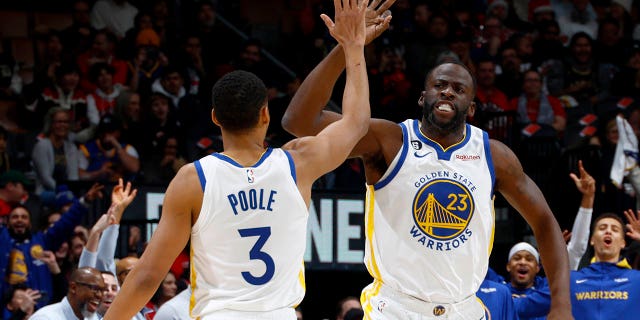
[(263, 235)]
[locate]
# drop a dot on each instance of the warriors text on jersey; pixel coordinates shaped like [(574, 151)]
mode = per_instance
[(429, 221), (248, 243)]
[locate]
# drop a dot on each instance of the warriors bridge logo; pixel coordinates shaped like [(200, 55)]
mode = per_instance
[(442, 209)]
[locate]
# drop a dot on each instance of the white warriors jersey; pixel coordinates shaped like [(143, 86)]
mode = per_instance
[(429, 220), (248, 243)]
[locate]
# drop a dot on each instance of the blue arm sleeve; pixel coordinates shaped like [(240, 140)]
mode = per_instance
[(536, 303), (107, 249), (87, 259), (63, 228)]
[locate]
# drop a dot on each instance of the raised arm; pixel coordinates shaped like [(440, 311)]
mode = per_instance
[(317, 155), (586, 184), (523, 194), (305, 115), (179, 209)]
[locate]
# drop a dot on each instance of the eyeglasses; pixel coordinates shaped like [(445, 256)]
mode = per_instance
[(93, 287)]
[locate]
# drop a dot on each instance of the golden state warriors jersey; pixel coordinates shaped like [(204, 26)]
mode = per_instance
[(429, 220), (248, 243)]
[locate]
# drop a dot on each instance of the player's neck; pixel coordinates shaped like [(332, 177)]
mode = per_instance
[(245, 148)]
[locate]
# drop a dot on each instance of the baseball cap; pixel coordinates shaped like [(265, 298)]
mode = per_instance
[(523, 246), (64, 196), (14, 176)]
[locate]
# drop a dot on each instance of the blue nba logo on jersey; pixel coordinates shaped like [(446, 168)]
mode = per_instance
[(442, 209), (250, 176)]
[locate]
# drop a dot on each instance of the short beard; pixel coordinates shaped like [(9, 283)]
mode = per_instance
[(452, 125), (20, 237), (85, 313)]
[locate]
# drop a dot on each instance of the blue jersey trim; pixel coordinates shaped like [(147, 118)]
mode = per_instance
[(234, 163), (487, 153), (443, 154), (292, 165), (403, 157), (203, 179)]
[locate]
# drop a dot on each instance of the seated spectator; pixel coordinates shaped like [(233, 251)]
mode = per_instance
[(129, 111), (535, 106), (104, 97), (159, 169), (20, 302), (12, 190), (178, 307), (66, 94), (86, 289), (22, 248), (113, 15), (167, 290), (55, 157), (148, 62), (490, 97), (346, 304), (106, 158), (160, 122), (607, 288), (79, 35), (102, 51)]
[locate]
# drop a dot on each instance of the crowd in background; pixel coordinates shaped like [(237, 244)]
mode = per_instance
[(123, 92)]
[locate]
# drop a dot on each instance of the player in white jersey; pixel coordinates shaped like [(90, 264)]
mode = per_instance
[(430, 187), (246, 208)]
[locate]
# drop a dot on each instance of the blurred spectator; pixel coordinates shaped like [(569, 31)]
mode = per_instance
[(114, 15), (167, 290), (493, 35), (390, 86), (160, 168), (67, 95), (129, 111), (127, 45), (490, 97), (5, 156), (299, 315), (541, 10), (190, 58), (609, 47), (424, 46), (107, 157), (346, 304), (86, 289), (55, 157), (178, 307), (23, 249), (459, 42), (160, 123), (576, 16), (104, 97), (627, 81), (77, 38), (212, 33), (124, 266), (50, 57), (20, 302), (586, 80), (102, 51), (509, 73), (535, 106), (171, 84), (148, 62), (620, 11), (11, 103), (12, 190)]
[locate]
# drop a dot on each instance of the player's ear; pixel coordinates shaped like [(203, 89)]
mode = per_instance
[(214, 118), (421, 99), (472, 109), (264, 114)]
